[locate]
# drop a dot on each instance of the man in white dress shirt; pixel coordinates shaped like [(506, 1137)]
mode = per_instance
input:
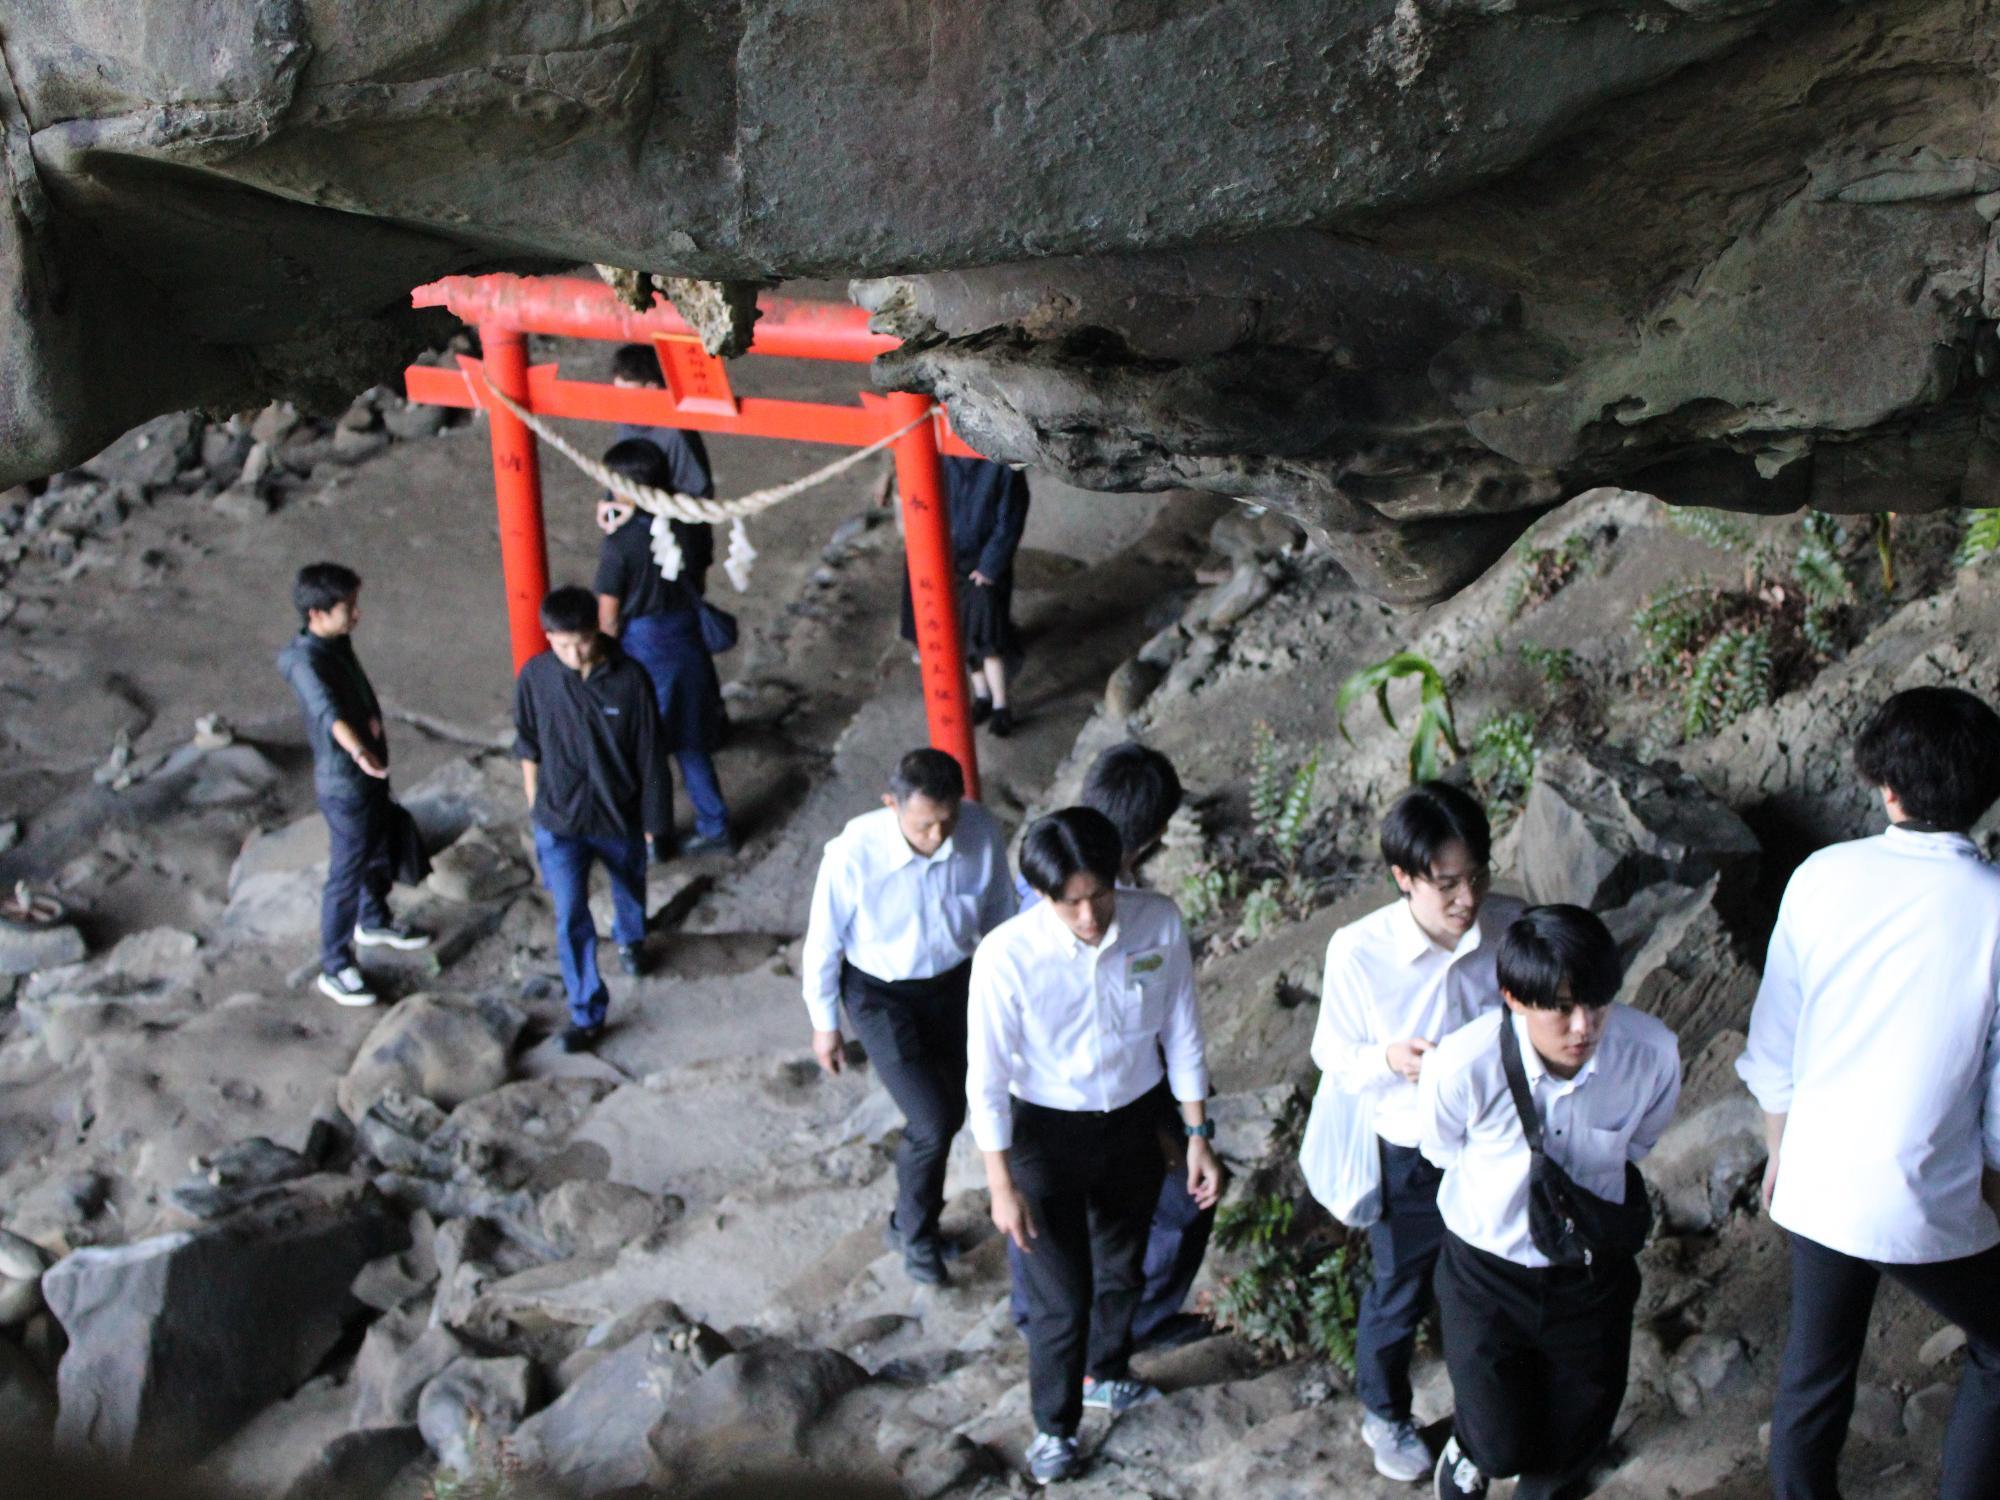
[(1398, 982), (1875, 1053), (1083, 1007), (904, 895), (1538, 1351)]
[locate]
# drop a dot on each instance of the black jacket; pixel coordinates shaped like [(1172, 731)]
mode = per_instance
[(596, 742), (327, 676)]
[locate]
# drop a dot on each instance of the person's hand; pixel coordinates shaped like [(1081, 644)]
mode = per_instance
[(370, 765), (1012, 1218), (1770, 1180), (830, 1050), (1407, 1057), (611, 515), (981, 579), (1204, 1169)]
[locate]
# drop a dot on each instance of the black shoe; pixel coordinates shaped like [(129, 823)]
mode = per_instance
[(1003, 723), (660, 850), (1175, 1332), (632, 959), (581, 1038), (982, 710), (701, 843), (923, 1262)]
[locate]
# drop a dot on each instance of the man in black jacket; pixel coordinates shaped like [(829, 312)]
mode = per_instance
[(586, 731), (350, 778)]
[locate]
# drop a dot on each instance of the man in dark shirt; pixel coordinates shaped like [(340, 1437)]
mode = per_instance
[(350, 778), (585, 727), (637, 367), (657, 620)]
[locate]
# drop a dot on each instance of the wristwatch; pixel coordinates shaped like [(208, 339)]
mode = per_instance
[(1206, 1129)]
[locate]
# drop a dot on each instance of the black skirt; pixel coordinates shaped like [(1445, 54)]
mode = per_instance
[(985, 619)]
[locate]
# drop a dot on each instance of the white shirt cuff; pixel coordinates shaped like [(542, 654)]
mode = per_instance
[(993, 1130), (825, 1012), (1189, 1085)]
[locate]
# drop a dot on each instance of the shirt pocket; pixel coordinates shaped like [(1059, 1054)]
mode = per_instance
[(1138, 1005), (1599, 1160)]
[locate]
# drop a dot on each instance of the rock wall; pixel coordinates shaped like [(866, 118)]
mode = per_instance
[(1411, 270)]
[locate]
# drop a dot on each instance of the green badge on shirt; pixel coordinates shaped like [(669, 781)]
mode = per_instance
[(1147, 963)]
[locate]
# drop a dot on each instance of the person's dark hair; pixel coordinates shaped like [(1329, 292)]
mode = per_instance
[(1136, 788), (1938, 750), (570, 610), (639, 461), (928, 773), (1428, 816), (322, 585), (1546, 945), (1068, 843), (637, 362)]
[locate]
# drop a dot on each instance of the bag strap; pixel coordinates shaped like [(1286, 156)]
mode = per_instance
[(1517, 1084)]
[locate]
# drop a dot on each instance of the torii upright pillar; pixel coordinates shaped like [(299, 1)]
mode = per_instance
[(517, 491)]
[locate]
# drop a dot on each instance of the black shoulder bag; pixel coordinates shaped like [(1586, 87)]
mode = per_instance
[(1569, 1224)]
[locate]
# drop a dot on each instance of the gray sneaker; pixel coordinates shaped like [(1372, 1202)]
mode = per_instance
[(347, 988), (398, 935), (1457, 1477), (1116, 1396), (1052, 1458), (1398, 1448)]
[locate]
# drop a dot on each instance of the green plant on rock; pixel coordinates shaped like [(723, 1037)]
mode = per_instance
[(1555, 665), (501, 1476), (1503, 757), (1675, 621), (1207, 893), (1433, 732), (1982, 535), (1546, 571), (1293, 1297), (1263, 909), (1822, 579), (1719, 529), (1733, 674), (1281, 797)]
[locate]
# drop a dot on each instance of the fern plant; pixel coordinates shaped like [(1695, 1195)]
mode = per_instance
[(1281, 801), (1433, 732), (1546, 571), (1822, 579), (1555, 665), (1205, 895), (1733, 675), (1716, 528), (1982, 535), (1674, 621), (1290, 1298), (1503, 756)]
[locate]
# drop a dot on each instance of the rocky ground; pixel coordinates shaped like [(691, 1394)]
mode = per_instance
[(316, 1252)]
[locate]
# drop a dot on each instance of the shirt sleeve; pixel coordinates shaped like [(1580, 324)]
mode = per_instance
[(993, 1035), (1444, 1111), (1344, 1042), (527, 739), (1766, 1064), (997, 901), (687, 464), (827, 924), (1659, 1111), (996, 557), (320, 710), (1992, 1125), (1180, 1029), (610, 578)]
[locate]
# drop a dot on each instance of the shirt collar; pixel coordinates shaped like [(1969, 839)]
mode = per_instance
[(1909, 841), (896, 850), (1413, 943), (1536, 1069)]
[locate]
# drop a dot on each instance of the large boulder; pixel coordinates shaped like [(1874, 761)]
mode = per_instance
[(1707, 1163), (471, 1405), (597, 1436), (403, 1352), (1600, 826), (445, 1048), (1682, 962), (305, 1449), (176, 1341)]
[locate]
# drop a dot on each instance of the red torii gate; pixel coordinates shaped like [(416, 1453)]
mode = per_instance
[(505, 309)]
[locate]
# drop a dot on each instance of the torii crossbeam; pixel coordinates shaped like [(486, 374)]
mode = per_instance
[(505, 309)]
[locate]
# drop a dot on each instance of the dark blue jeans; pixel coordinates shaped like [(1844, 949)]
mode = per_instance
[(1404, 1244), (711, 813), (566, 863), (669, 647), (1176, 1240), (358, 872)]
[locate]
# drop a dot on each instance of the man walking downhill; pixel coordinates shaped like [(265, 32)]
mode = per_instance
[(350, 753), (1875, 1053), (585, 727), (1083, 1009), (1398, 982), (904, 895)]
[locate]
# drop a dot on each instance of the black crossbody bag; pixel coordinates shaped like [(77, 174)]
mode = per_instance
[(1569, 1224)]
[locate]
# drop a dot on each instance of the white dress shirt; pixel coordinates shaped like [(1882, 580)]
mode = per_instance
[(1612, 1112), (1877, 1032), (896, 914), (1386, 981), (1072, 1027)]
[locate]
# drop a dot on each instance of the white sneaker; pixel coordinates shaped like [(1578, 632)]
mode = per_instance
[(1457, 1477), (1052, 1458), (1398, 1448), (1117, 1396), (347, 988), (398, 935)]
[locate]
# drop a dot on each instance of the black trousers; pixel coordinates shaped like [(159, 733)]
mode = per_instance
[(359, 871), (1832, 1296), (1090, 1181), (1404, 1245), (1537, 1359), (914, 1030)]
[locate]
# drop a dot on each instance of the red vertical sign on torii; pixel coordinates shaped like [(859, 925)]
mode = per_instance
[(698, 397)]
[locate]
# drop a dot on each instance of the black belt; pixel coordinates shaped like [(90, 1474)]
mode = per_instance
[(935, 987)]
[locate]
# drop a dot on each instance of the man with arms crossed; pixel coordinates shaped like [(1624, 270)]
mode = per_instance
[(1398, 982), (904, 895), (1875, 1053)]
